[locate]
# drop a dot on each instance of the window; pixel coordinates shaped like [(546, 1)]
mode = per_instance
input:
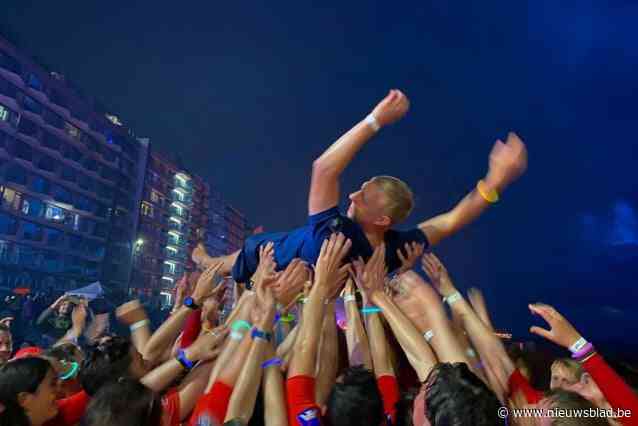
[(155, 196), (72, 131), (31, 231), (11, 199), (76, 243), (32, 207), (169, 267), (40, 184), (72, 153), (27, 256), (102, 210), (83, 203), (54, 238), (72, 220), (147, 209), (30, 104), (68, 174), (89, 164), (86, 183), (8, 224), (62, 195), (47, 164), (4, 113), (53, 119), (87, 225), (54, 213), (28, 127), (52, 262), (52, 142), (34, 82), (22, 150)]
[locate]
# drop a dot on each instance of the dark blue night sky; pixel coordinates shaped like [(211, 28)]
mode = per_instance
[(249, 93)]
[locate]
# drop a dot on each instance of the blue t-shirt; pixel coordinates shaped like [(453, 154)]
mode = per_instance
[(305, 243)]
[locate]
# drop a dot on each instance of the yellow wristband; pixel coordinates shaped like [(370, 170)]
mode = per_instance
[(489, 196)]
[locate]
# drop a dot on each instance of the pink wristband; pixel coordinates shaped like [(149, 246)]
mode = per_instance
[(583, 351)]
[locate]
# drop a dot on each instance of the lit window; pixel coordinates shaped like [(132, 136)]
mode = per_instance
[(147, 209), (169, 267), (72, 131), (11, 199), (155, 197), (54, 213), (4, 113)]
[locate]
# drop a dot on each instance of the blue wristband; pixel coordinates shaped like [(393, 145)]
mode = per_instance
[(259, 334), (186, 363), (371, 310), (271, 362)]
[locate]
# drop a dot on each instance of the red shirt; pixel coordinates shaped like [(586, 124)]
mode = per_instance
[(170, 408), (70, 410), (304, 411), (211, 408)]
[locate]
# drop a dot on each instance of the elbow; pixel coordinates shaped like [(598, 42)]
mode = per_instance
[(320, 168)]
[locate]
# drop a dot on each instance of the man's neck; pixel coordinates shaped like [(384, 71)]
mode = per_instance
[(374, 235)]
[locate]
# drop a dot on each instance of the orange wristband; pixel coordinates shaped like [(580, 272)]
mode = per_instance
[(489, 196)]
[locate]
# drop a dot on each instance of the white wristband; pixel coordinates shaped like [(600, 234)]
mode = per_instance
[(371, 121), (236, 335), (139, 325), (349, 298), (428, 335), (470, 352), (452, 298), (578, 345)]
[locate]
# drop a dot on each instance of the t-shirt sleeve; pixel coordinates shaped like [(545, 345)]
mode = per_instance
[(615, 390), (170, 408), (192, 327), (518, 383), (323, 216), (211, 408), (389, 389), (302, 408), (70, 410)]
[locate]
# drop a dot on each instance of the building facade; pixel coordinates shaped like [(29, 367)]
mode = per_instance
[(70, 180)]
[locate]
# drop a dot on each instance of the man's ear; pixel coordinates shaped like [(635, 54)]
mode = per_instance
[(383, 221)]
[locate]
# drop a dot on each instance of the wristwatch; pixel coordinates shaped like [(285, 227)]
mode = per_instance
[(189, 302), (250, 284)]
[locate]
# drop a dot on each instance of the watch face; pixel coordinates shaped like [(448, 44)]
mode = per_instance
[(188, 301)]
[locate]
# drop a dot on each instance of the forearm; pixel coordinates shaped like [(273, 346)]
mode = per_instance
[(242, 401), (356, 338), (304, 357), (412, 342), (336, 158), (326, 372), (166, 334), (449, 223), (489, 347), (163, 375), (443, 340), (378, 346), (192, 387), (231, 369), (274, 396), (289, 342)]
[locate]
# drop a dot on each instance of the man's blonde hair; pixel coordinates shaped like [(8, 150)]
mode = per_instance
[(400, 200)]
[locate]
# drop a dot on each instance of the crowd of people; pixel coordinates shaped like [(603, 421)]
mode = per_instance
[(327, 324)]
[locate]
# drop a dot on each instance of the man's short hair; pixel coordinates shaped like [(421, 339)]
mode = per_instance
[(455, 396), (355, 400), (400, 199), (572, 366)]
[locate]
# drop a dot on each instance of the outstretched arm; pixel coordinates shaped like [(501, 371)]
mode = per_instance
[(324, 184), (507, 162)]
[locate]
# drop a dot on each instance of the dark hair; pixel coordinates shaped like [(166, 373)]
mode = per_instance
[(355, 400), (20, 375), (105, 363), (64, 351), (573, 402), (455, 396), (405, 406), (4, 328), (124, 402)]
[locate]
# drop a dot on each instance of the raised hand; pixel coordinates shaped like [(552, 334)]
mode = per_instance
[(561, 331), (370, 277), (437, 274), (330, 273), (208, 345), (204, 286), (58, 302), (291, 282), (507, 162), (266, 268), (413, 251), (78, 316), (392, 108)]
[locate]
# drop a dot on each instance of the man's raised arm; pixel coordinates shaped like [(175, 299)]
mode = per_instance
[(324, 183), (507, 162)]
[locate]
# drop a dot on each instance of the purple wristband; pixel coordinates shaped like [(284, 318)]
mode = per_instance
[(584, 351)]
